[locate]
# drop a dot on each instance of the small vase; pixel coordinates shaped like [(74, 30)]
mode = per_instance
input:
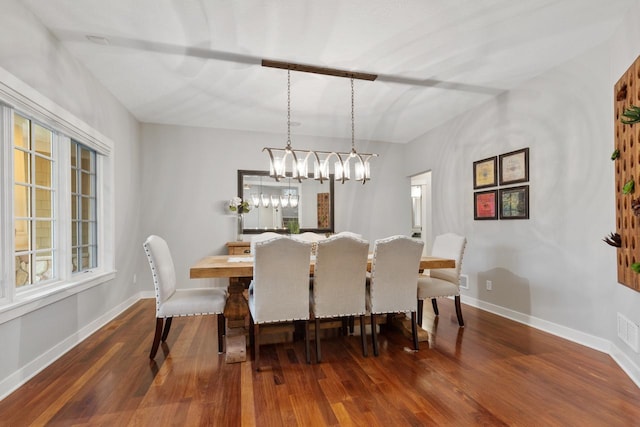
[(239, 228)]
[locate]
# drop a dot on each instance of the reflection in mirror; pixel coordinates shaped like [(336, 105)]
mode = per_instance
[(285, 206), (416, 210)]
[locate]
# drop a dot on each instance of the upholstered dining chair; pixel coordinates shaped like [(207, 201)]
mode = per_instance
[(339, 283), (308, 236), (172, 302), (279, 291), (443, 282), (392, 286), (267, 235), (349, 233)]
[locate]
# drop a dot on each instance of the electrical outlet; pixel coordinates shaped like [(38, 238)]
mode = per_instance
[(489, 285), (464, 281)]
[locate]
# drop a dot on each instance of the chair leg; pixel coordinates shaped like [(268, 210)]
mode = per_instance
[(352, 324), (363, 336), (318, 351), (435, 306), (374, 337), (256, 347), (167, 327), (252, 336), (156, 338), (414, 331), (306, 341), (345, 326), (420, 308), (221, 332), (459, 311)]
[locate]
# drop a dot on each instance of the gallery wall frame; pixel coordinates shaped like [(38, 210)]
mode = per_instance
[(485, 173), (514, 202), (485, 205), (514, 167)]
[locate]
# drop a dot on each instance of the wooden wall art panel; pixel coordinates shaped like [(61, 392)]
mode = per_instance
[(324, 210), (626, 156)]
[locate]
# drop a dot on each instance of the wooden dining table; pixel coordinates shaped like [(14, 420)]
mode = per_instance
[(240, 267), (216, 266)]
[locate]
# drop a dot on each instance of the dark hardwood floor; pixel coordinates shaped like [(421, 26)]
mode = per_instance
[(492, 372)]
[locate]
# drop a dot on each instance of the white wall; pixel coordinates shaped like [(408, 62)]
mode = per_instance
[(553, 267), (190, 175), (30, 52), (552, 270)]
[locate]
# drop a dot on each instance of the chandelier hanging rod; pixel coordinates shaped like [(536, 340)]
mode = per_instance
[(318, 70)]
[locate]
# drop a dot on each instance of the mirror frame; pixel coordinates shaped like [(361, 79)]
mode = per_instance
[(330, 229)]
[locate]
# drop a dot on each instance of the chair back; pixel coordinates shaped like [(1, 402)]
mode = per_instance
[(280, 280), (350, 234), (394, 274), (162, 268), (449, 245), (340, 276), (267, 235), (308, 236)]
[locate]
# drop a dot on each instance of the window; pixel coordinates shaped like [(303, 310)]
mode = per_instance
[(83, 208), (56, 202), (33, 202)]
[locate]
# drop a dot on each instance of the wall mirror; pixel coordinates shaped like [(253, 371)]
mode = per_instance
[(286, 206)]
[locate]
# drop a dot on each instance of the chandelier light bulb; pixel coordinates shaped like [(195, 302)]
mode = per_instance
[(265, 200)]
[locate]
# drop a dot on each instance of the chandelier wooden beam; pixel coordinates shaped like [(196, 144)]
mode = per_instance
[(318, 70)]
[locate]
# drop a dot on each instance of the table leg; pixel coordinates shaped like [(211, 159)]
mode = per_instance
[(403, 323), (235, 313)]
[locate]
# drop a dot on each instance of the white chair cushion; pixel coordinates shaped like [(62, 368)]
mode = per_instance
[(448, 245), (268, 235), (280, 287), (431, 287), (162, 269), (350, 234), (189, 302), (308, 237), (394, 275), (340, 277)]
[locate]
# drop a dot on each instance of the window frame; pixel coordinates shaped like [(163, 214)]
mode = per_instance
[(78, 170), (17, 96), (33, 185)]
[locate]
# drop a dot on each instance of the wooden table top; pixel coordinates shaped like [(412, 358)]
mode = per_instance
[(235, 266)]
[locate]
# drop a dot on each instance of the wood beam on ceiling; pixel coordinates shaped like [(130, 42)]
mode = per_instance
[(318, 70)]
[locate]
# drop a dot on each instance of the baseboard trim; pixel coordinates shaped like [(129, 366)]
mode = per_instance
[(591, 341), (625, 363), (31, 369)]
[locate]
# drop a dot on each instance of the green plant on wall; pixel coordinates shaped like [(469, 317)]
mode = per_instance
[(615, 154), (632, 115), (629, 186), (614, 240), (636, 267)]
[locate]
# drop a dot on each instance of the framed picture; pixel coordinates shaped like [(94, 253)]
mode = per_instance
[(485, 204), (485, 173), (514, 167), (514, 202)]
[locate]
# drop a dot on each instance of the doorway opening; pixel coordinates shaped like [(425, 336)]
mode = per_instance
[(421, 209)]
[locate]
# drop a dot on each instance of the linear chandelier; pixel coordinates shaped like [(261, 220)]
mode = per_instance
[(290, 162), (275, 200)]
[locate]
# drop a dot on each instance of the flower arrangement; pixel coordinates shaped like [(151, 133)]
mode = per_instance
[(237, 205)]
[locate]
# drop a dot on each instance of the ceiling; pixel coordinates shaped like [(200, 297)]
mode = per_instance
[(197, 62)]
